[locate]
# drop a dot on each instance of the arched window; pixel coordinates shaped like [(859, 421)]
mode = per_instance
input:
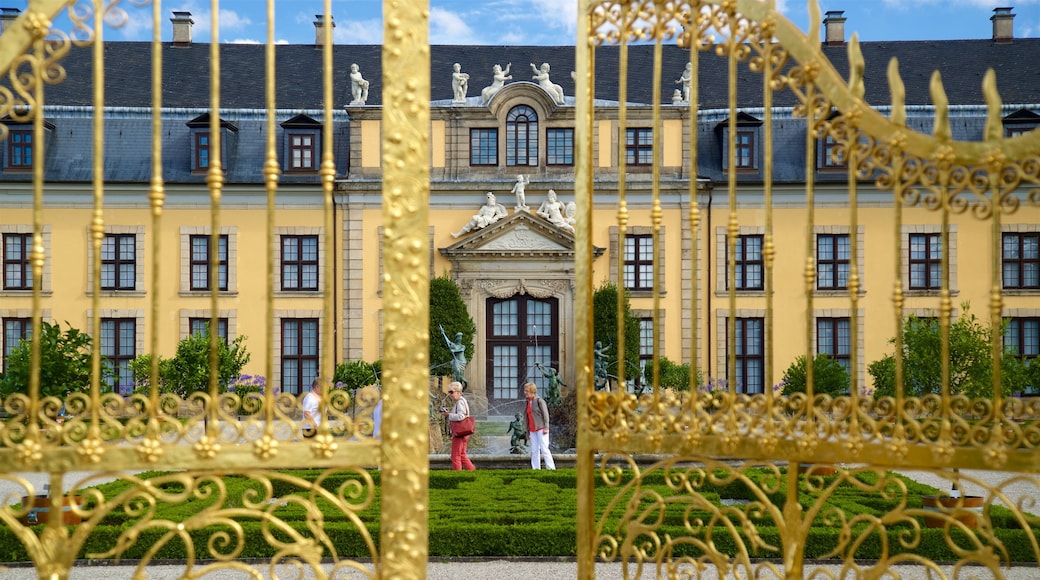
[(522, 136)]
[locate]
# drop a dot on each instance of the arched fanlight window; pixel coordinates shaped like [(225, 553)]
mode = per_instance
[(522, 136)]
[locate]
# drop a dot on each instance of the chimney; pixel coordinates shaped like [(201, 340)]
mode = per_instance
[(182, 28), (319, 29), (1003, 25), (7, 18), (834, 27)]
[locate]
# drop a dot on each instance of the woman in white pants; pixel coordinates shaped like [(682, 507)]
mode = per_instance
[(538, 428)]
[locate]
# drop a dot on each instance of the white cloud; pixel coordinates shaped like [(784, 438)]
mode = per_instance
[(138, 25), (358, 32), (447, 27), (230, 20)]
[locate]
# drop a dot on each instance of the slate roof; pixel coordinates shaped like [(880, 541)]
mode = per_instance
[(962, 64)]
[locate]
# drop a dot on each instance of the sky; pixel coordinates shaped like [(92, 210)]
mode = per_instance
[(548, 22)]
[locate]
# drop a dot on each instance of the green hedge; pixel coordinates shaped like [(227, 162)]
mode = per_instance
[(531, 513)]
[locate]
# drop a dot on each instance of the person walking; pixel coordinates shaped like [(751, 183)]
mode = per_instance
[(458, 412), (538, 428), (310, 405)]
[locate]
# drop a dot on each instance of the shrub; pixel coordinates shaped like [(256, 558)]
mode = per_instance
[(448, 310), (64, 363), (605, 329), (188, 371), (829, 377)]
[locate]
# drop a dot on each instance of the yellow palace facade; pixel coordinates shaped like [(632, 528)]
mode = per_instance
[(513, 258)]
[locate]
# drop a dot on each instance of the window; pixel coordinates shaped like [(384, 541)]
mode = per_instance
[(1022, 337), (299, 353), (833, 338), (299, 257), (522, 136), (832, 261), (17, 270), (19, 149), (749, 262), (199, 325), (828, 154), (639, 262), (15, 331), (639, 146), (745, 156), (646, 348), (1016, 130), (559, 147), (200, 262), (119, 262), (483, 146), (749, 351), (521, 333), (118, 340), (302, 152), (925, 261), (201, 150), (1020, 261)]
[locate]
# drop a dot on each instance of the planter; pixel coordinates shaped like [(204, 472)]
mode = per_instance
[(965, 510), (40, 505), (821, 469)]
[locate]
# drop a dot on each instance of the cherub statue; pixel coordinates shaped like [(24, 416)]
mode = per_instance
[(500, 78), (552, 391), (459, 84), (542, 76), (518, 191), (518, 435), (489, 213), (358, 86)]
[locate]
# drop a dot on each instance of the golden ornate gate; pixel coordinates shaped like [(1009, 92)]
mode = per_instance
[(710, 438)]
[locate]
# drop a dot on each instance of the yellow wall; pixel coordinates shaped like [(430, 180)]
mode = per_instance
[(371, 141), (437, 144)]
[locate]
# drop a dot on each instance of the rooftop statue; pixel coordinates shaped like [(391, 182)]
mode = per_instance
[(500, 78), (489, 213), (459, 84), (358, 86), (685, 80), (542, 76)]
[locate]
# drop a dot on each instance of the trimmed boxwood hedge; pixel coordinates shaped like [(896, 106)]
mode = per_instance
[(504, 513)]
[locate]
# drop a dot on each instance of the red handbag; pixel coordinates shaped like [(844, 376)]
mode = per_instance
[(464, 427)]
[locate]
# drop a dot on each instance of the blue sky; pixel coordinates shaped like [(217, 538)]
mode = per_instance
[(552, 22)]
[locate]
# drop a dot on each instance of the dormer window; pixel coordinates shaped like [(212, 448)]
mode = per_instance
[(21, 148), (748, 136), (1020, 122), (301, 144), (202, 143)]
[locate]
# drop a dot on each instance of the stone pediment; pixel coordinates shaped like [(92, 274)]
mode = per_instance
[(521, 234)]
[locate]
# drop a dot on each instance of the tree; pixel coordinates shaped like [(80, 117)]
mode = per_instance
[(829, 377), (605, 329), (971, 368), (448, 310), (64, 363), (671, 375), (354, 375), (188, 371)]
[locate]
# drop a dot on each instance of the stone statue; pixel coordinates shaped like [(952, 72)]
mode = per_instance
[(358, 86), (518, 191), (570, 213), (552, 391), (488, 214), (685, 80), (518, 435), (500, 78), (599, 366), (542, 76), (552, 209), (458, 353), (459, 84)]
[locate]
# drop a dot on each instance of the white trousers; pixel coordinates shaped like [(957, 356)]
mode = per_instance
[(540, 446)]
